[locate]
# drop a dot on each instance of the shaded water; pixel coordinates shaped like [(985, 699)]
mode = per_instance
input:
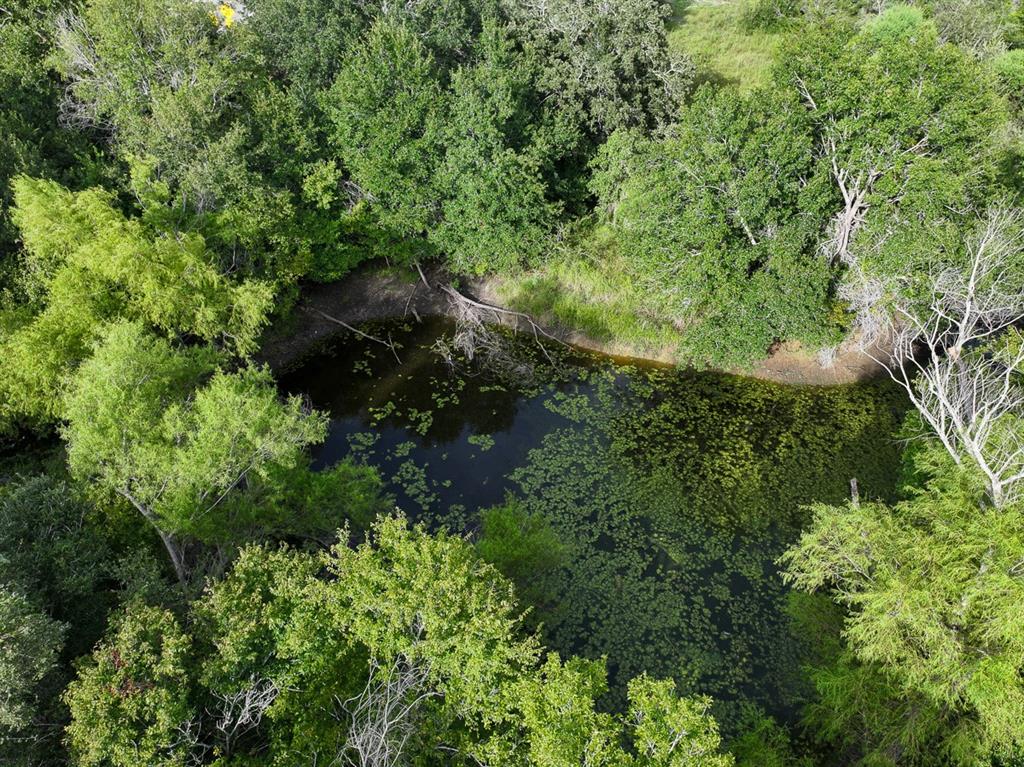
[(674, 492)]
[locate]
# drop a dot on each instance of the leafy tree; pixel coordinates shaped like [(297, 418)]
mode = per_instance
[(30, 642), (52, 548), (978, 26), (141, 426), (933, 667), (471, 166), (864, 157), (86, 263), (499, 140), (673, 731), (712, 219), (607, 65), (33, 141), (763, 742), (904, 127), (384, 106), (130, 702), (771, 15), (180, 90), (1009, 69)]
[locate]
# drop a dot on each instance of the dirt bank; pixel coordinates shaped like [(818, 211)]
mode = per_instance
[(372, 294)]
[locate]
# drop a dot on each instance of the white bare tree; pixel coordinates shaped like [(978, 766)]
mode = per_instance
[(383, 715), (242, 710), (941, 343)]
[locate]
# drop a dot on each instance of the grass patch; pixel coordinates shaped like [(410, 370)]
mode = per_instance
[(586, 286), (713, 33)]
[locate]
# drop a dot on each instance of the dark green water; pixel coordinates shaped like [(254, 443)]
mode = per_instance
[(674, 492)]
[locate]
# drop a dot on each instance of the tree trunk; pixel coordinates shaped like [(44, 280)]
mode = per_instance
[(172, 546)]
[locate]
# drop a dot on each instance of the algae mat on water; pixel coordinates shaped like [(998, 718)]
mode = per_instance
[(673, 493)]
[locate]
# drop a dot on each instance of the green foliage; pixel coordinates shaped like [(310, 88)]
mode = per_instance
[(384, 106), (1009, 68), (672, 731), (712, 221), (770, 15), (913, 119), (54, 549), (978, 26), (237, 155), (132, 696), (609, 67), (139, 425), (932, 594), (499, 137), (1014, 32), (741, 219), (463, 166), (170, 281), (278, 623), (31, 138), (86, 264), (762, 742), (30, 642)]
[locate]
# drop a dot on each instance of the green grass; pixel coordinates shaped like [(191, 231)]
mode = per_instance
[(586, 286), (712, 32)]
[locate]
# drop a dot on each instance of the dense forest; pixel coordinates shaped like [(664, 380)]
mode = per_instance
[(209, 559)]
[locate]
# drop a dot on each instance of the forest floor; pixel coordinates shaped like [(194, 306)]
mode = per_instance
[(373, 294)]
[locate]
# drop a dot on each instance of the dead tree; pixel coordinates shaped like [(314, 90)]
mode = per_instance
[(475, 337), (389, 343), (937, 348), (383, 715), (242, 710)]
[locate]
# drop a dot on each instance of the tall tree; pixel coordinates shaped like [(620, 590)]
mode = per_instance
[(86, 263), (711, 218), (385, 106), (931, 587), (608, 65), (502, 144), (165, 430)]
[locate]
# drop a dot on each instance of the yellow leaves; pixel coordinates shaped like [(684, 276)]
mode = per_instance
[(227, 14), (224, 16)]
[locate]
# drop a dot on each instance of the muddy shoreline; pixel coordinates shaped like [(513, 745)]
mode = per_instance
[(374, 294)]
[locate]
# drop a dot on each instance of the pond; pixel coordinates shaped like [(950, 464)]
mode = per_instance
[(673, 492)]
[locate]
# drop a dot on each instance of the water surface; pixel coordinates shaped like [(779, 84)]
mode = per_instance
[(673, 492)]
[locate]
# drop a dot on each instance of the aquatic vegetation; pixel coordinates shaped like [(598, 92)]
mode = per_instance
[(670, 495), (483, 441)]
